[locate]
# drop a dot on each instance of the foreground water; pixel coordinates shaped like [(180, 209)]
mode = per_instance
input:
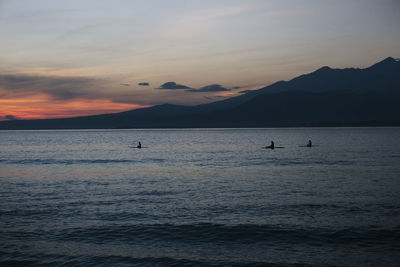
[(202, 197)]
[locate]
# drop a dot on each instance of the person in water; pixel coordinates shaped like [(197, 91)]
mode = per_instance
[(272, 145), (139, 145), (309, 144)]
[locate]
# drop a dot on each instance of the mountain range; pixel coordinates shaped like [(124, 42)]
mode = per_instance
[(325, 97)]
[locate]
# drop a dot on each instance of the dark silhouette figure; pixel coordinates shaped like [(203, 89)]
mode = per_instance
[(139, 145), (309, 144), (272, 145)]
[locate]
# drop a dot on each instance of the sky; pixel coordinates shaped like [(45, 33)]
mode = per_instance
[(84, 57)]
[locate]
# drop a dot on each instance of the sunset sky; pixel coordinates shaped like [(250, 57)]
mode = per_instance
[(72, 58)]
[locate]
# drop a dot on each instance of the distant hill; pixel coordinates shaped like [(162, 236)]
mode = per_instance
[(327, 96), (301, 108), (383, 76)]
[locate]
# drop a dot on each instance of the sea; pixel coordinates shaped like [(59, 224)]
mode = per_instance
[(200, 197)]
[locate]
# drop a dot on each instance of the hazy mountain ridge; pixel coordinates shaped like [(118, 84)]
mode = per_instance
[(301, 108), (326, 96), (380, 76)]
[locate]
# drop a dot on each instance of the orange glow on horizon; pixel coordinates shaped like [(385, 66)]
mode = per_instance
[(42, 106)]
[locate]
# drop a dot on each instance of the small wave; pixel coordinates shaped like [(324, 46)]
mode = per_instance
[(313, 206), (66, 161), (21, 212), (16, 262), (315, 162), (122, 216), (156, 193), (112, 260), (242, 234), (155, 160), (148, 261)]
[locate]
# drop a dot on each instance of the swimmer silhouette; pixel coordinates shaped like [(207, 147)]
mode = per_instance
[(271, 146), (309, 144)]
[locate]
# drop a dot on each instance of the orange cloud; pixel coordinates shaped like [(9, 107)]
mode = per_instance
[(42, 106)]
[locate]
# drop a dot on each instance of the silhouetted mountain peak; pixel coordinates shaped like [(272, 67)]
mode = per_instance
[(388, 60), (323, 69), (386, 63), (321, 72), (327, 94), (165, 107)]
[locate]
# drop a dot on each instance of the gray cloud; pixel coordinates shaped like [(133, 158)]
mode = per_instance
[(124, 84), (144, 84), (214, 97), (10, 117), (236, 87), (60, 88), (173, 86), (245, 91), (210, 88), (67, 88)]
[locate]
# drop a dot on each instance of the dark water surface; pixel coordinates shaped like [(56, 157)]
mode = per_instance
[(200, 197)]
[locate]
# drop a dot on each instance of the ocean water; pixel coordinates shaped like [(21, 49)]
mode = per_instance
[(200, 197)]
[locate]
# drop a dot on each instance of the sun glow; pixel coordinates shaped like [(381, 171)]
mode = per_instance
[(41, 106)]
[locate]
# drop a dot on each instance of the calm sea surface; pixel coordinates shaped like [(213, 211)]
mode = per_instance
[(201, 197)]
